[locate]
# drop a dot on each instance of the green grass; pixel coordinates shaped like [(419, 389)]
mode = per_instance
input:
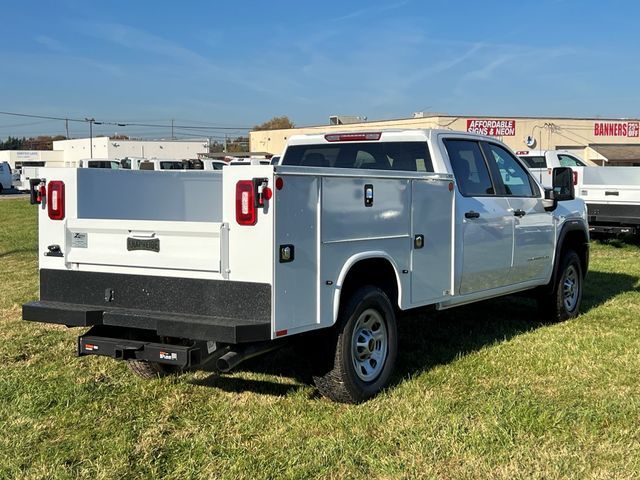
[(485, 391)]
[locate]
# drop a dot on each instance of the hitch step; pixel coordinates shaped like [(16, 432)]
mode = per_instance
[(105, 342)]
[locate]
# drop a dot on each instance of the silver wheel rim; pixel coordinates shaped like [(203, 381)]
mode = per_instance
[(369, 345), (570, 288)]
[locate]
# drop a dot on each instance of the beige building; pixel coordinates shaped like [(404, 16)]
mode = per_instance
[(606, 141)]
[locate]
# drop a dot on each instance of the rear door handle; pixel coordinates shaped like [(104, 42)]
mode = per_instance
[(519, 213), (471, 214)]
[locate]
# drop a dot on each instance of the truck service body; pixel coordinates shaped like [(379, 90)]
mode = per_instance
[(179, 268), (612, 194)]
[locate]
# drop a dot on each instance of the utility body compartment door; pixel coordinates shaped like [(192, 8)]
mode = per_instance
[(432, 241)]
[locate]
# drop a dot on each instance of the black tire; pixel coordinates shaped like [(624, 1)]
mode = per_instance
[(561, 302), (1, 188), (344, 378), (151, 370)]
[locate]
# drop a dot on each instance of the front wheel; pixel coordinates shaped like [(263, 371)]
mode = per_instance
[(563, 301), (364, 352)]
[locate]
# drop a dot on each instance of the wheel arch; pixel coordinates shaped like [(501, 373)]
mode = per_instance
[(378, 268), (575, 236)]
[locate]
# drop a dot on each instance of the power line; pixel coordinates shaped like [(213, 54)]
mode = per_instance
[(41, 116), (126, 124)]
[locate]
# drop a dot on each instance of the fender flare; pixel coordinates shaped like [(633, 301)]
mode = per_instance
[(346, 268), (569, 226)]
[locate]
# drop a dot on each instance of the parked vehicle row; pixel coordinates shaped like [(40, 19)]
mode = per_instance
[(612, 194), (322, 249)]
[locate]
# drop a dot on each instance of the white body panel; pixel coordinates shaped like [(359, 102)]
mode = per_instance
[(612, 185)]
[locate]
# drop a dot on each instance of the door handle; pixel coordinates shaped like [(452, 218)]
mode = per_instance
[(471, 214), (519, 213)]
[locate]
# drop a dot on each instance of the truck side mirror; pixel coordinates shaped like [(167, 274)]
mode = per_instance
[(550, 202), (562, 182)]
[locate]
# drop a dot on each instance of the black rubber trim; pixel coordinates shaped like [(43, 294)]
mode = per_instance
[(569, 226)]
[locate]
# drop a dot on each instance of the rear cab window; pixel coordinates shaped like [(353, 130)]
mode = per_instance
[(398, 156)]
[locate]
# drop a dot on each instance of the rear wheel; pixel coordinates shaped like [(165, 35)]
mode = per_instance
[(1, 188), (563, 301), (151, 370), (363, 356)]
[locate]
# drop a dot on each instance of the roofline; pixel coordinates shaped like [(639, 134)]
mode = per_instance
[(461, 117)]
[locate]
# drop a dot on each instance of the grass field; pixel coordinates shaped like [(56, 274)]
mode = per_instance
[(485, 391)]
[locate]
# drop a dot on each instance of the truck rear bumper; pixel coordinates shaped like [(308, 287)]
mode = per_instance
[(611, 215), (219, 310)]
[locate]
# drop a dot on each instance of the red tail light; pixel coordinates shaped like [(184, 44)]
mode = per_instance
[(352, 137), (575, 177), (245, 203), (55, 200)]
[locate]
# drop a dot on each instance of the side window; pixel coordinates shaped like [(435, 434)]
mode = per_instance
[(409, 156), (534, 162), (514, 177), (469, 167), (569, 161)]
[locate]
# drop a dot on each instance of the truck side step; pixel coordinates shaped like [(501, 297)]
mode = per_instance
[(105, 341)]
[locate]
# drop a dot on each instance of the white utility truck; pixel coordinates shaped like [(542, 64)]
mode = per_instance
[(612, 194), (174, 269)]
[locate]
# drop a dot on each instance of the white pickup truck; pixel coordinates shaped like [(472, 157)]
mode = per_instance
[(612, 194), (174, 269)]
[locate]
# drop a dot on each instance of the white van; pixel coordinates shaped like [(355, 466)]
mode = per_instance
[(99, 163), (5, 176)]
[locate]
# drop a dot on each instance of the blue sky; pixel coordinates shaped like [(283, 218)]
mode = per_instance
[(240, 63)]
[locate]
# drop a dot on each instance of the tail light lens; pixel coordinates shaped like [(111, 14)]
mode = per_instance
[(575, 177), (245, 203), (55, 200)]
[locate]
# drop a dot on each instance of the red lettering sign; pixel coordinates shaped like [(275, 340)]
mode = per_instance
[(616, 129), (492, 127)]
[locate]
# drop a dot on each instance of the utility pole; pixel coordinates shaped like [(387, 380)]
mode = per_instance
[(91, 122), (172, 137), (225, 143), (66, 126)]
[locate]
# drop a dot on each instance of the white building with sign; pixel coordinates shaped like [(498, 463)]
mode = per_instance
[(105, 147), (33, 158)]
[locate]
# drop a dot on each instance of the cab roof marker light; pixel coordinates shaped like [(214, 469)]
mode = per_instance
[(352, 137)]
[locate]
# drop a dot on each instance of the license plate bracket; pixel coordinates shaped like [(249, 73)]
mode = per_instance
[(148, 244)]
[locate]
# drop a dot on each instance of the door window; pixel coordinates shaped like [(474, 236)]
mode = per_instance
[(514, 176), (569, 161), (469, 168)]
